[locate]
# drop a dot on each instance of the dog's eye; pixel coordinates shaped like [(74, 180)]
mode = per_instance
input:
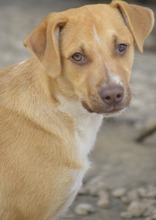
[(79, 58), (121, 49)]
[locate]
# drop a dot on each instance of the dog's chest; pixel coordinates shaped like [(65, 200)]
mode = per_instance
[(86, 129), (86, 126)]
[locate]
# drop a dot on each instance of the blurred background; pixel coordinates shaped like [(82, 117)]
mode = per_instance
[(122, 180)]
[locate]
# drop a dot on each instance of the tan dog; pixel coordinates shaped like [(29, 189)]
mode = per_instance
[(52, 105)]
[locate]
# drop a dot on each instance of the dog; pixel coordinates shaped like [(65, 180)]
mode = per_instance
[(52, 104)]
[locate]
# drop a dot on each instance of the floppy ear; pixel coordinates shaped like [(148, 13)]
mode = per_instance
[(140, 20), (43, 42)]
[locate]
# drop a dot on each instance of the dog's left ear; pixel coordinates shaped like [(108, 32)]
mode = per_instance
[(44, 41), (140, 20)]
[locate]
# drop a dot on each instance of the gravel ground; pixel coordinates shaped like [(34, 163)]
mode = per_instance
[(122, 181)]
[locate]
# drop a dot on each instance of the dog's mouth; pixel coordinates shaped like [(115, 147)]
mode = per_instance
[(86, 106), (108, 111), (107, 106)]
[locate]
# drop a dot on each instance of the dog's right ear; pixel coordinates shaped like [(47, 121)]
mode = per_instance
[(43, 42)]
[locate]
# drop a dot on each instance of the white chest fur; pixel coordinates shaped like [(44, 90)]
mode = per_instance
[(86, 128), (86, 125)]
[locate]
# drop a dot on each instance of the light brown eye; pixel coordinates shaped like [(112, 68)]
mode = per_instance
[(78, 58), (122, 48)]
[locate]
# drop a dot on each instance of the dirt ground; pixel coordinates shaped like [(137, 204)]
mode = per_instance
[(117, 159)]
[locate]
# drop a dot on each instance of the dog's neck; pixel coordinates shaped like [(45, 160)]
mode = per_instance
[(86, 124), (75, 109)]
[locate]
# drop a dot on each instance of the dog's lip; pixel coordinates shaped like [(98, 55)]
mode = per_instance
[(114, 110), (86, 106), (111, 110)]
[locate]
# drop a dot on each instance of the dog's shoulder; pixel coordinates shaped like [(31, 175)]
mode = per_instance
[(7, 69)]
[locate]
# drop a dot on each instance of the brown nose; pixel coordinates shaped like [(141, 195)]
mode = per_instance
[(112, 94)]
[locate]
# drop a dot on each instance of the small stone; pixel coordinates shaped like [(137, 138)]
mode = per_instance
[(149, 192), (133, 195), (118, 193), (95, 185), (84, 209), (142, 192), (126, 215), (136, 209), (104, 200), (104, 204), (150, 205)]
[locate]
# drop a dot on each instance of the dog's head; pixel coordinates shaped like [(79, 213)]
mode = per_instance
[(89, 52)]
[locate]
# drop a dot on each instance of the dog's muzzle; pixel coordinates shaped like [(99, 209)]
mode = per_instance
[(111, 99)]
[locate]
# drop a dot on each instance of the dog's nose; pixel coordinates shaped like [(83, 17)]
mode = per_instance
[(112, 94)]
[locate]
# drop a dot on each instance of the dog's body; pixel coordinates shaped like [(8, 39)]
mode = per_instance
[(46, 155), (52, 105)]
